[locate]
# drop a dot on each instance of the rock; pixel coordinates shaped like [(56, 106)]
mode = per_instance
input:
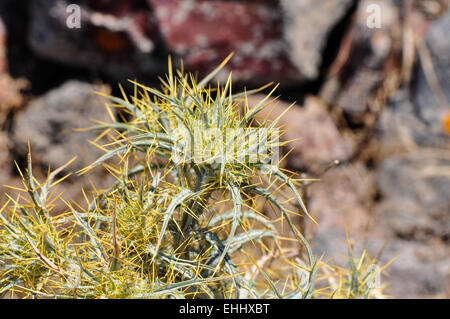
[(116, 39), (431, 9), (3, 58), (415, 190), (401, 128), (343, 199), (413, 173), (5, 158), (432, 103), (6, 164), (10, 89), (416, 271), (315, 139), (49, 123), (203, 33), (417, 115), (364, 59), (10, 99), (398, 128), (402, 131), (307, 26), (10, 94)]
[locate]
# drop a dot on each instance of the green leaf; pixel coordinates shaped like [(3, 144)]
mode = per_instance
[(177, 200), (93, 236), (210, 76), (129, 106), (237, 203), (252, 235)]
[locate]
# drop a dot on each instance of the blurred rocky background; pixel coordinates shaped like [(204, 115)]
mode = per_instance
[(374, 98)]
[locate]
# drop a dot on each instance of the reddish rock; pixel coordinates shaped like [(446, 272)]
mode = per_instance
[(3, 61), (10, 96), (203, 33)]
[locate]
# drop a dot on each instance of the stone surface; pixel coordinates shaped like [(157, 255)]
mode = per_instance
[(418, 270), (399, 129), (5, 159), (307, 26), (116, 39), (10, 94), (10, 99), (343, 199), (3, 58), (203, 33), (49, 123), (413, 177), (415, 190), (10, 89), (363, 60), (432, 104)]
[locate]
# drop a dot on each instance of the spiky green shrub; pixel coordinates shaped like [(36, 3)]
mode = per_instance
[(178, 222)]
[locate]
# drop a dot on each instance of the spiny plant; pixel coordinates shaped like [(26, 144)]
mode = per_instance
[(362, 278), (183, 218)]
